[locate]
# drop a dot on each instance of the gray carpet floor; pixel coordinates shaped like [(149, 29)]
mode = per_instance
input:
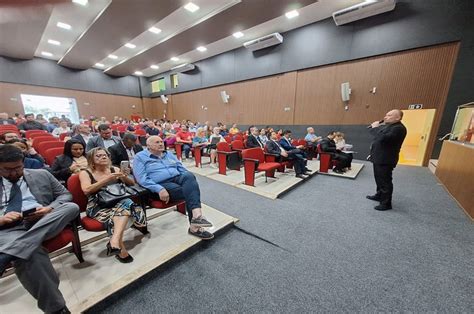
[(321, 248)]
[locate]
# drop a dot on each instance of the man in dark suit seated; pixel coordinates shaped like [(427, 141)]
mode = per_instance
[(273, 147), (285, 142), (329, 146), (84, 134), (34, 207), (30, 124), (384, 151), (105, 139), (253, 140), (125, 150)]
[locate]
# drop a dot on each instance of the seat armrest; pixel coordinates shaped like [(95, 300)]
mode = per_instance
[(227, 153)]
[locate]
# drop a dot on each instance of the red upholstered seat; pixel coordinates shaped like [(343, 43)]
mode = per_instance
[(91, 224), (254, 161), (43, 146), (59, 241), (29, 133), (140, 132), (223, 151), (180, 205), (51, 153), (268, 166), (325, 160)]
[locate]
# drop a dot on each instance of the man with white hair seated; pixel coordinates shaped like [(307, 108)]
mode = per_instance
[(163, 174)]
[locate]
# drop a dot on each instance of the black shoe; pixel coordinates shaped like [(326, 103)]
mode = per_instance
[(143, 230), (339, 171), (301, 176), (383, 207), (112, 250), (200, 222), (308, 170), (373, 198), (125, 260), (64, 310), (203, 234)]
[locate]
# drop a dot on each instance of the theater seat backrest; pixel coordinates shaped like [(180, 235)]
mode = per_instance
[(223, 147), (254, 153), (78, 197)]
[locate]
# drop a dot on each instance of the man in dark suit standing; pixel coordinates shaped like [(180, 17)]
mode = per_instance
[(388, 138), (125, 150)]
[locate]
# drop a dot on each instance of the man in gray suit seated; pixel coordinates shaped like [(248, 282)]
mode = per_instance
[(34, 207), (105, 139)]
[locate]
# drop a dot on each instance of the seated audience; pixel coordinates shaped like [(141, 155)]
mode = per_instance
[(40, 118), (33, 160), (274, 147), (192, 127), (8, 136), (234, 130), (285, 142), (63, 128), (213, 148), (72, 161), (21, 237), (329, 146), (186, 139), (224, 132), (83, 134), (279, 134), (263, 136), (99, 174), (4, 119), (125, 150), (53, 124), (312, 139), (169, 135), (151, 129), (105, 139), (163, 174), (30, 124), (341, 145), (254, 140)]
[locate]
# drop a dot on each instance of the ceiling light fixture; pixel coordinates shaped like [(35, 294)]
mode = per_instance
[(138, 73), (47, 54), (292, 14), (54, 42), (113, 57), (131, 46), (63, 25), (155, 30), (238, 34), (201, 48), (154, 67), (174, 59), (100, 65), (81, 2), (191, 7)]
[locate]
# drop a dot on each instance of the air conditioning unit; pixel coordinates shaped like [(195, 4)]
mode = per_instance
[(164, 99), (264, 42), (225, 97), (345, 91), (362, 10), (185, 67)]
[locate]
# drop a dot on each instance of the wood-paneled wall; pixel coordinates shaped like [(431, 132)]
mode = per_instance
[(88, 103)]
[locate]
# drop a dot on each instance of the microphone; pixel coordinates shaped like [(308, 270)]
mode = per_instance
[(370, 126)]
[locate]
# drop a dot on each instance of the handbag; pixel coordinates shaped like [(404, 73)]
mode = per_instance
[(111, 194)]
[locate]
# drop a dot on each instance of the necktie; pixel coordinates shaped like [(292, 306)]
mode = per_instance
[(16, 199)]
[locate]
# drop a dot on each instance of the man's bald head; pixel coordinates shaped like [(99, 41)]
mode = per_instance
[(153, 139), (393, 116)]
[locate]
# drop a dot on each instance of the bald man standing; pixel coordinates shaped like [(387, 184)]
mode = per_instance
[(384, 151)]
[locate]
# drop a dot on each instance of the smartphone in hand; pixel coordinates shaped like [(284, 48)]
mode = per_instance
[(28, 212), (124, 166)]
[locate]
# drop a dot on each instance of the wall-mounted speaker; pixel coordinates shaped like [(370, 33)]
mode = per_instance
[(225, 97), (345, 91), (164, 99)]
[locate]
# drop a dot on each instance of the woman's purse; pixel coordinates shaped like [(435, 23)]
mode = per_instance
[(110, 195)]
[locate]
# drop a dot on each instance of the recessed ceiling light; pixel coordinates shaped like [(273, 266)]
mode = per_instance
[(129, 45), (113, 57), (292, 14), (238, 34), (201, 48), (81, 2), (54, 42), (155, 30), (154, 67), (100, 65), (191, 7), (47, 54), (174, 59), (138, 73), (63, 25)]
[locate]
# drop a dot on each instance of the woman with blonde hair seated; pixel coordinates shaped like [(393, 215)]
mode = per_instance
[(100, 174)]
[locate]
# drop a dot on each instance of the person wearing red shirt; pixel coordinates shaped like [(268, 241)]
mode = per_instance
[(186, 138)]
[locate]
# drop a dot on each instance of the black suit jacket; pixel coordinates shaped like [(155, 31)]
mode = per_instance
[(272, 148), (119, 153), (60, 168), (388, 140), (328, 145), (252, 142)]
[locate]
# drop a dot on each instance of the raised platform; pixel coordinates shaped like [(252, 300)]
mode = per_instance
[(86, 284), (350, 174)]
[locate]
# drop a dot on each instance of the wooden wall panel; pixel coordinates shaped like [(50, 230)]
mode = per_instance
[(420, 76), (154, 108), (87, 103), (260, 101)]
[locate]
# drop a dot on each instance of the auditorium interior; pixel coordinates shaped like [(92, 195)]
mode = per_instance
[(284, 241)]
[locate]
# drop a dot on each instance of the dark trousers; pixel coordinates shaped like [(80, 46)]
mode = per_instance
[(383, 179), (299, 162), (343, 160), (186, 149), (184, 187)]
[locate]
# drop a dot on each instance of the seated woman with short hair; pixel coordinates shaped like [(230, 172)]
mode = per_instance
[(72, 161), (99, 174)]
